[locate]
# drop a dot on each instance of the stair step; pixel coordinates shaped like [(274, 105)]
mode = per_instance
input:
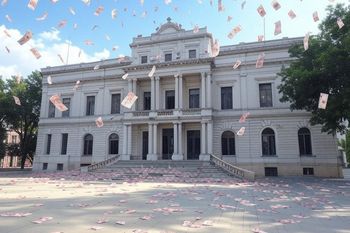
[(183, 170)]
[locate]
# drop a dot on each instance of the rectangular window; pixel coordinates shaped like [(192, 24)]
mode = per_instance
[(194, 98), (44, 166), (169, 99), (192, 53), (90, 105), (147, 100), (143, 59), (265, 91), (64, 143), (271, 171), (48, 144), (226, 98), (66, 102), (51, 110), (168, 57), (308, 171), (60, 167), (115, 104), (268, 145)]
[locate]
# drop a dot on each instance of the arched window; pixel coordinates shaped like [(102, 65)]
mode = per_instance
[(88, 141), (228, 143), (113, 144), (268, 142), (304, 138)]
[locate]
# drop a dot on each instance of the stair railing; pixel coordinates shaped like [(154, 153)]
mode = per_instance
[(102, 164), (233, 170)]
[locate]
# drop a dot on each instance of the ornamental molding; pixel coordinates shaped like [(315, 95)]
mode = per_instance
[(169, 25), (226, 126), (303, 124), (266, 123), (209, 61)]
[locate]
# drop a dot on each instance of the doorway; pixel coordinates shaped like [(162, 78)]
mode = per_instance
[(193, 144), (168, 143), (144, 145)]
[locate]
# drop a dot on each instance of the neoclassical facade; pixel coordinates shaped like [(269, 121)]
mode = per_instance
[(189, 109)]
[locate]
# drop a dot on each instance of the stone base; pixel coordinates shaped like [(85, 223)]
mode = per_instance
[(204, 157), (124, 157), (84, 169), (177, 157), (152, 157)]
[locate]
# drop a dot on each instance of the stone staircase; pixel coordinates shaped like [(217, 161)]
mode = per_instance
[(165, 170)]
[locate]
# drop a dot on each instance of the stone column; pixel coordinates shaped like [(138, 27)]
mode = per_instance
[(175, 139), (203, 156), (150, 140), (202, 90), (134, 90), (129, 85), (176, 92), (157, 93), (180, 92), (152, 94), (177, 155), (129, 141), (210, 137), (208, 94), (126, 140), (155, 141), (180, 140)]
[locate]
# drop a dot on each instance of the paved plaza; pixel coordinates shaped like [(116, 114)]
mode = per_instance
[(71, 202)]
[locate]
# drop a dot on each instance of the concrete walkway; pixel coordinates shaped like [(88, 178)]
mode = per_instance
[(59, 202)]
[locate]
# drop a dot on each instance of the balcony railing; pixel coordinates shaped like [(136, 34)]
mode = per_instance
[(191, 111), (141, 114), (233, 170), (165, 113)]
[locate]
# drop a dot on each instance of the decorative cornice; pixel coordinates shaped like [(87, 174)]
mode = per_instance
[(209, 60), (260, 46), (175, 38), (82, 67)]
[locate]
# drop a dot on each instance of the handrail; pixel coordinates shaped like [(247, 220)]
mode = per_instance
[(102, 164), (236, 171), (165, 112), (140, 113), (191, 111)]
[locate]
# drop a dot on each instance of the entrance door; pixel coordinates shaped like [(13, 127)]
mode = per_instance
[(193, 144), (168, 143), (144, 145)]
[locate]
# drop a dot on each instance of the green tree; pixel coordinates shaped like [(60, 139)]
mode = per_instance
[(24, 119), (2, 123), (323, 68)]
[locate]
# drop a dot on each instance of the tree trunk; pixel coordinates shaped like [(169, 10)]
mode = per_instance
[(23, 161), (11, 161)]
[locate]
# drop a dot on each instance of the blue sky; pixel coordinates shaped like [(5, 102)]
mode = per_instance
[(125, 26)]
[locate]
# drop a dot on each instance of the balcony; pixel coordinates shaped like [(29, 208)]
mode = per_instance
[(168, 112), (191, 112), (140, 113)]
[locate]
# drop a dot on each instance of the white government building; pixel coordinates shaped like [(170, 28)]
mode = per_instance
[(188, 110)]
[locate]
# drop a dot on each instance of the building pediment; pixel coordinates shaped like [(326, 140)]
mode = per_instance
[(168, 28)]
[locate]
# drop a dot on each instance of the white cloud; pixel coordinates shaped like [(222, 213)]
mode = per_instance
[(50, 35), (21, 61)]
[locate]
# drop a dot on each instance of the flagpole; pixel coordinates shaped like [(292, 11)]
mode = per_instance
[(68, 52), (264, 29)]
